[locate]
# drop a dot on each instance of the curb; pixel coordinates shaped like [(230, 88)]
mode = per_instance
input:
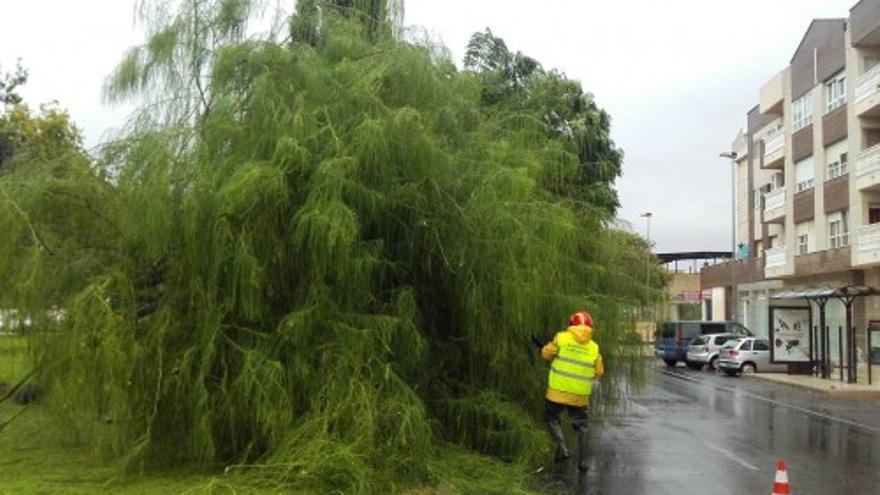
[(830, 390)]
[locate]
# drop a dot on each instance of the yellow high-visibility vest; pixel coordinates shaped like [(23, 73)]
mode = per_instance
[(573, 369)]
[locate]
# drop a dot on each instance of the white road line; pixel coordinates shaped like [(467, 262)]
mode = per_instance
[(804, 410), (815, 413), (731, 456)]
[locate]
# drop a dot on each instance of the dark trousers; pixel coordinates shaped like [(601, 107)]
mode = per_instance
[(579, 415)]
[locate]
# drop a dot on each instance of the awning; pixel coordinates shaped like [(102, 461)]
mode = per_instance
[(848, 291)]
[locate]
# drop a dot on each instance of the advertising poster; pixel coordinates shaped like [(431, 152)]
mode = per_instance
[(790, 334)]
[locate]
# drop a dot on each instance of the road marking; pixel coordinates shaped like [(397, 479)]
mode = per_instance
[(731, 456), (804, 410)]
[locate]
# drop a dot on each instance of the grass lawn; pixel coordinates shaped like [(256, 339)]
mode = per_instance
[(34, 461)]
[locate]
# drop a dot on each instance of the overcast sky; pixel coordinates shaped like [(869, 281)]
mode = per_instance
[(677, 77)]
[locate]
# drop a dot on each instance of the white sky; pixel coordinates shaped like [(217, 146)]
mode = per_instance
[(677, 77)]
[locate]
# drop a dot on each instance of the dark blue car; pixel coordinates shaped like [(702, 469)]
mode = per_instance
[(673, 337)]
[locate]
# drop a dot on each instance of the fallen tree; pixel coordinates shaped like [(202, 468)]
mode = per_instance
[(317, 257)]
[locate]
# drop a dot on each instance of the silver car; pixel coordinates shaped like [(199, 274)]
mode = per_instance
[(747, 355), (704, 350)]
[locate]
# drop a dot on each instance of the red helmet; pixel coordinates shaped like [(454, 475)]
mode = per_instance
[(581, 318)]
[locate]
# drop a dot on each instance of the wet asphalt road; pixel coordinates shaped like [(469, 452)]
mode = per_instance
[(690, 432)]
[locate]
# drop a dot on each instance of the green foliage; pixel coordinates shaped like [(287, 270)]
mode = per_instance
[(513, 82), (322, 261), (10, 83), (14, 364), (44, 136)]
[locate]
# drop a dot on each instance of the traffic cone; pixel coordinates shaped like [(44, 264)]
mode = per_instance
[(780, 483)]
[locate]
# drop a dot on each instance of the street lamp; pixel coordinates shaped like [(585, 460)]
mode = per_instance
[(647, 216), (732, 156)]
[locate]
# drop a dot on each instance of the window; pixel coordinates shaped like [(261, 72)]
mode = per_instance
[(802, 112), (746, 345), (803, 233), (838, 230), (836, 160), (758, 198), (835, 93), (838, 168), (731, 344), (777, 181), (804, 174), (873, 213), (803, 244), (710, 328), (761, 345)]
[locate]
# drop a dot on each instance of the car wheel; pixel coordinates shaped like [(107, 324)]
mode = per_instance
[(713, 363), (670, 362), (729, 372), (749, 369)]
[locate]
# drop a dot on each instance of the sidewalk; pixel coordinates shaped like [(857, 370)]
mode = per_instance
[(832, 386)]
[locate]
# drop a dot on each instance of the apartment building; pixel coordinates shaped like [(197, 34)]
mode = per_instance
[(808, 178)]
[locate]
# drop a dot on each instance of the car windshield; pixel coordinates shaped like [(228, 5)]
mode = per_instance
[(730, 344)]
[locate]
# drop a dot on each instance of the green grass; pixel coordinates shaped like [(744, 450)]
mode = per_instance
[(14, 362), (37, 457)]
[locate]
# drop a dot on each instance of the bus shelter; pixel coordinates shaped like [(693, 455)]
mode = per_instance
[(820, 333)]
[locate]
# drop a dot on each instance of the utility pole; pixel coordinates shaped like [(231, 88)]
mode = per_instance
[(732, 156)]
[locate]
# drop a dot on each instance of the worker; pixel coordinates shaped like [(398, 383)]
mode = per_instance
[(574, 363)]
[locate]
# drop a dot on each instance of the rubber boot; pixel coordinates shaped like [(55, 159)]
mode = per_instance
[(583, 450), (555, 428)]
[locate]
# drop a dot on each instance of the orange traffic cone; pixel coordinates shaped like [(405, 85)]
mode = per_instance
[(780, 483)]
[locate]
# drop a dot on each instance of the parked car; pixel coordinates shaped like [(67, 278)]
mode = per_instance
[(673, 337), (704, 349), (747, 355)]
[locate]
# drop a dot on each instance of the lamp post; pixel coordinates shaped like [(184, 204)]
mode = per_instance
[(647, 216), (732, 156)]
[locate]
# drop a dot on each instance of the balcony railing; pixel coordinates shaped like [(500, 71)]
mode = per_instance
[(867, 167), (869, 238), (774, 142), (867, 84), (774, 200), (774, 257)]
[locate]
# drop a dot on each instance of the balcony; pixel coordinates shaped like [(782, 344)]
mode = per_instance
[(867, 97), (868, 169), (868, 252), (774, 149), (773, 95), (865, 24), (745, 271), (775, 261), (774, 206), (834, 260)]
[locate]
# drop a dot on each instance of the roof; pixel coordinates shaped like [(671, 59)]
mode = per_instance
[(827, 293), (810, 28), (693, 255)]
